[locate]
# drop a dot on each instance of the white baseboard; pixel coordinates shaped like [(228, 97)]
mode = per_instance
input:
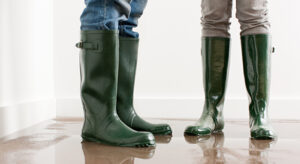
[(189, 108), (19, 116)]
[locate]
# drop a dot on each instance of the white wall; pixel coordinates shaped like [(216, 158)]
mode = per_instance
[(169, 75), (26, 65)]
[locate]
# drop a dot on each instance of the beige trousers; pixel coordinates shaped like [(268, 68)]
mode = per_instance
[(252, 16)]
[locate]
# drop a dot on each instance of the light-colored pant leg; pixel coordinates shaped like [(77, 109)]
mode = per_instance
[(215, 18), (253, 16)]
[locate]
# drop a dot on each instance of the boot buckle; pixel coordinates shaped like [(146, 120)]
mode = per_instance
[(79, 45)]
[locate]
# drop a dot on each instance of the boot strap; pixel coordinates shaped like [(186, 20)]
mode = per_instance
[(90, 46)]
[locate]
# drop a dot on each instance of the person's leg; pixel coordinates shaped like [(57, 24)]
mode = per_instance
[(215, 56), (99, 64), (129, 41), (256, 49), (126, 26), (104, 14), (215, 18), (253, 16)]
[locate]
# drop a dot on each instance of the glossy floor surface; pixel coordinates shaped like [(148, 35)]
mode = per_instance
[(58, 141)]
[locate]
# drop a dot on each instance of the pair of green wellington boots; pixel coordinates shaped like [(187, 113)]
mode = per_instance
[(107, 69), (256, 50)]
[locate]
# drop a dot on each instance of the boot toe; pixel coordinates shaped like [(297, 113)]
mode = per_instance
[(162, 129), (263, 134), (197, 131), (144, 139)]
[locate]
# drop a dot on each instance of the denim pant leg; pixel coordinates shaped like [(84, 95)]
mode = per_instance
[(104, 14), (126, 26)]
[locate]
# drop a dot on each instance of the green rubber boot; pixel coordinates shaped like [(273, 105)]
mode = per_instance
[(99, 60), (215, 57), (125, 108), (256, 60)]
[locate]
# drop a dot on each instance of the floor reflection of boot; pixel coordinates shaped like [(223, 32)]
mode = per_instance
[(258, 150), (163, 139), (95, 153), (211, 146)]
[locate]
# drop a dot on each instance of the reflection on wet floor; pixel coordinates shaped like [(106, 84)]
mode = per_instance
[(214, 151), (211, 146), (58, 141), (98, 153)]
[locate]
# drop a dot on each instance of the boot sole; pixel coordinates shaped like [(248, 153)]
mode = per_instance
[(194, 134), (137, 145), (169, 132), (213, 132)]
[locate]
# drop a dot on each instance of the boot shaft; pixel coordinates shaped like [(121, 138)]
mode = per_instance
[(256, 51), (127, 69), (215, 61), (99, 60)]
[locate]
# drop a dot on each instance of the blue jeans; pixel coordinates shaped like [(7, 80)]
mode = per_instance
[(119, 15)]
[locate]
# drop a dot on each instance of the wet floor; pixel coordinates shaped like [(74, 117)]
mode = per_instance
[(58, 142)]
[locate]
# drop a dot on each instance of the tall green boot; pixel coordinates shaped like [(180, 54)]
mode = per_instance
[(215, 57), (256, 60), (99, 60), (125, 109)]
